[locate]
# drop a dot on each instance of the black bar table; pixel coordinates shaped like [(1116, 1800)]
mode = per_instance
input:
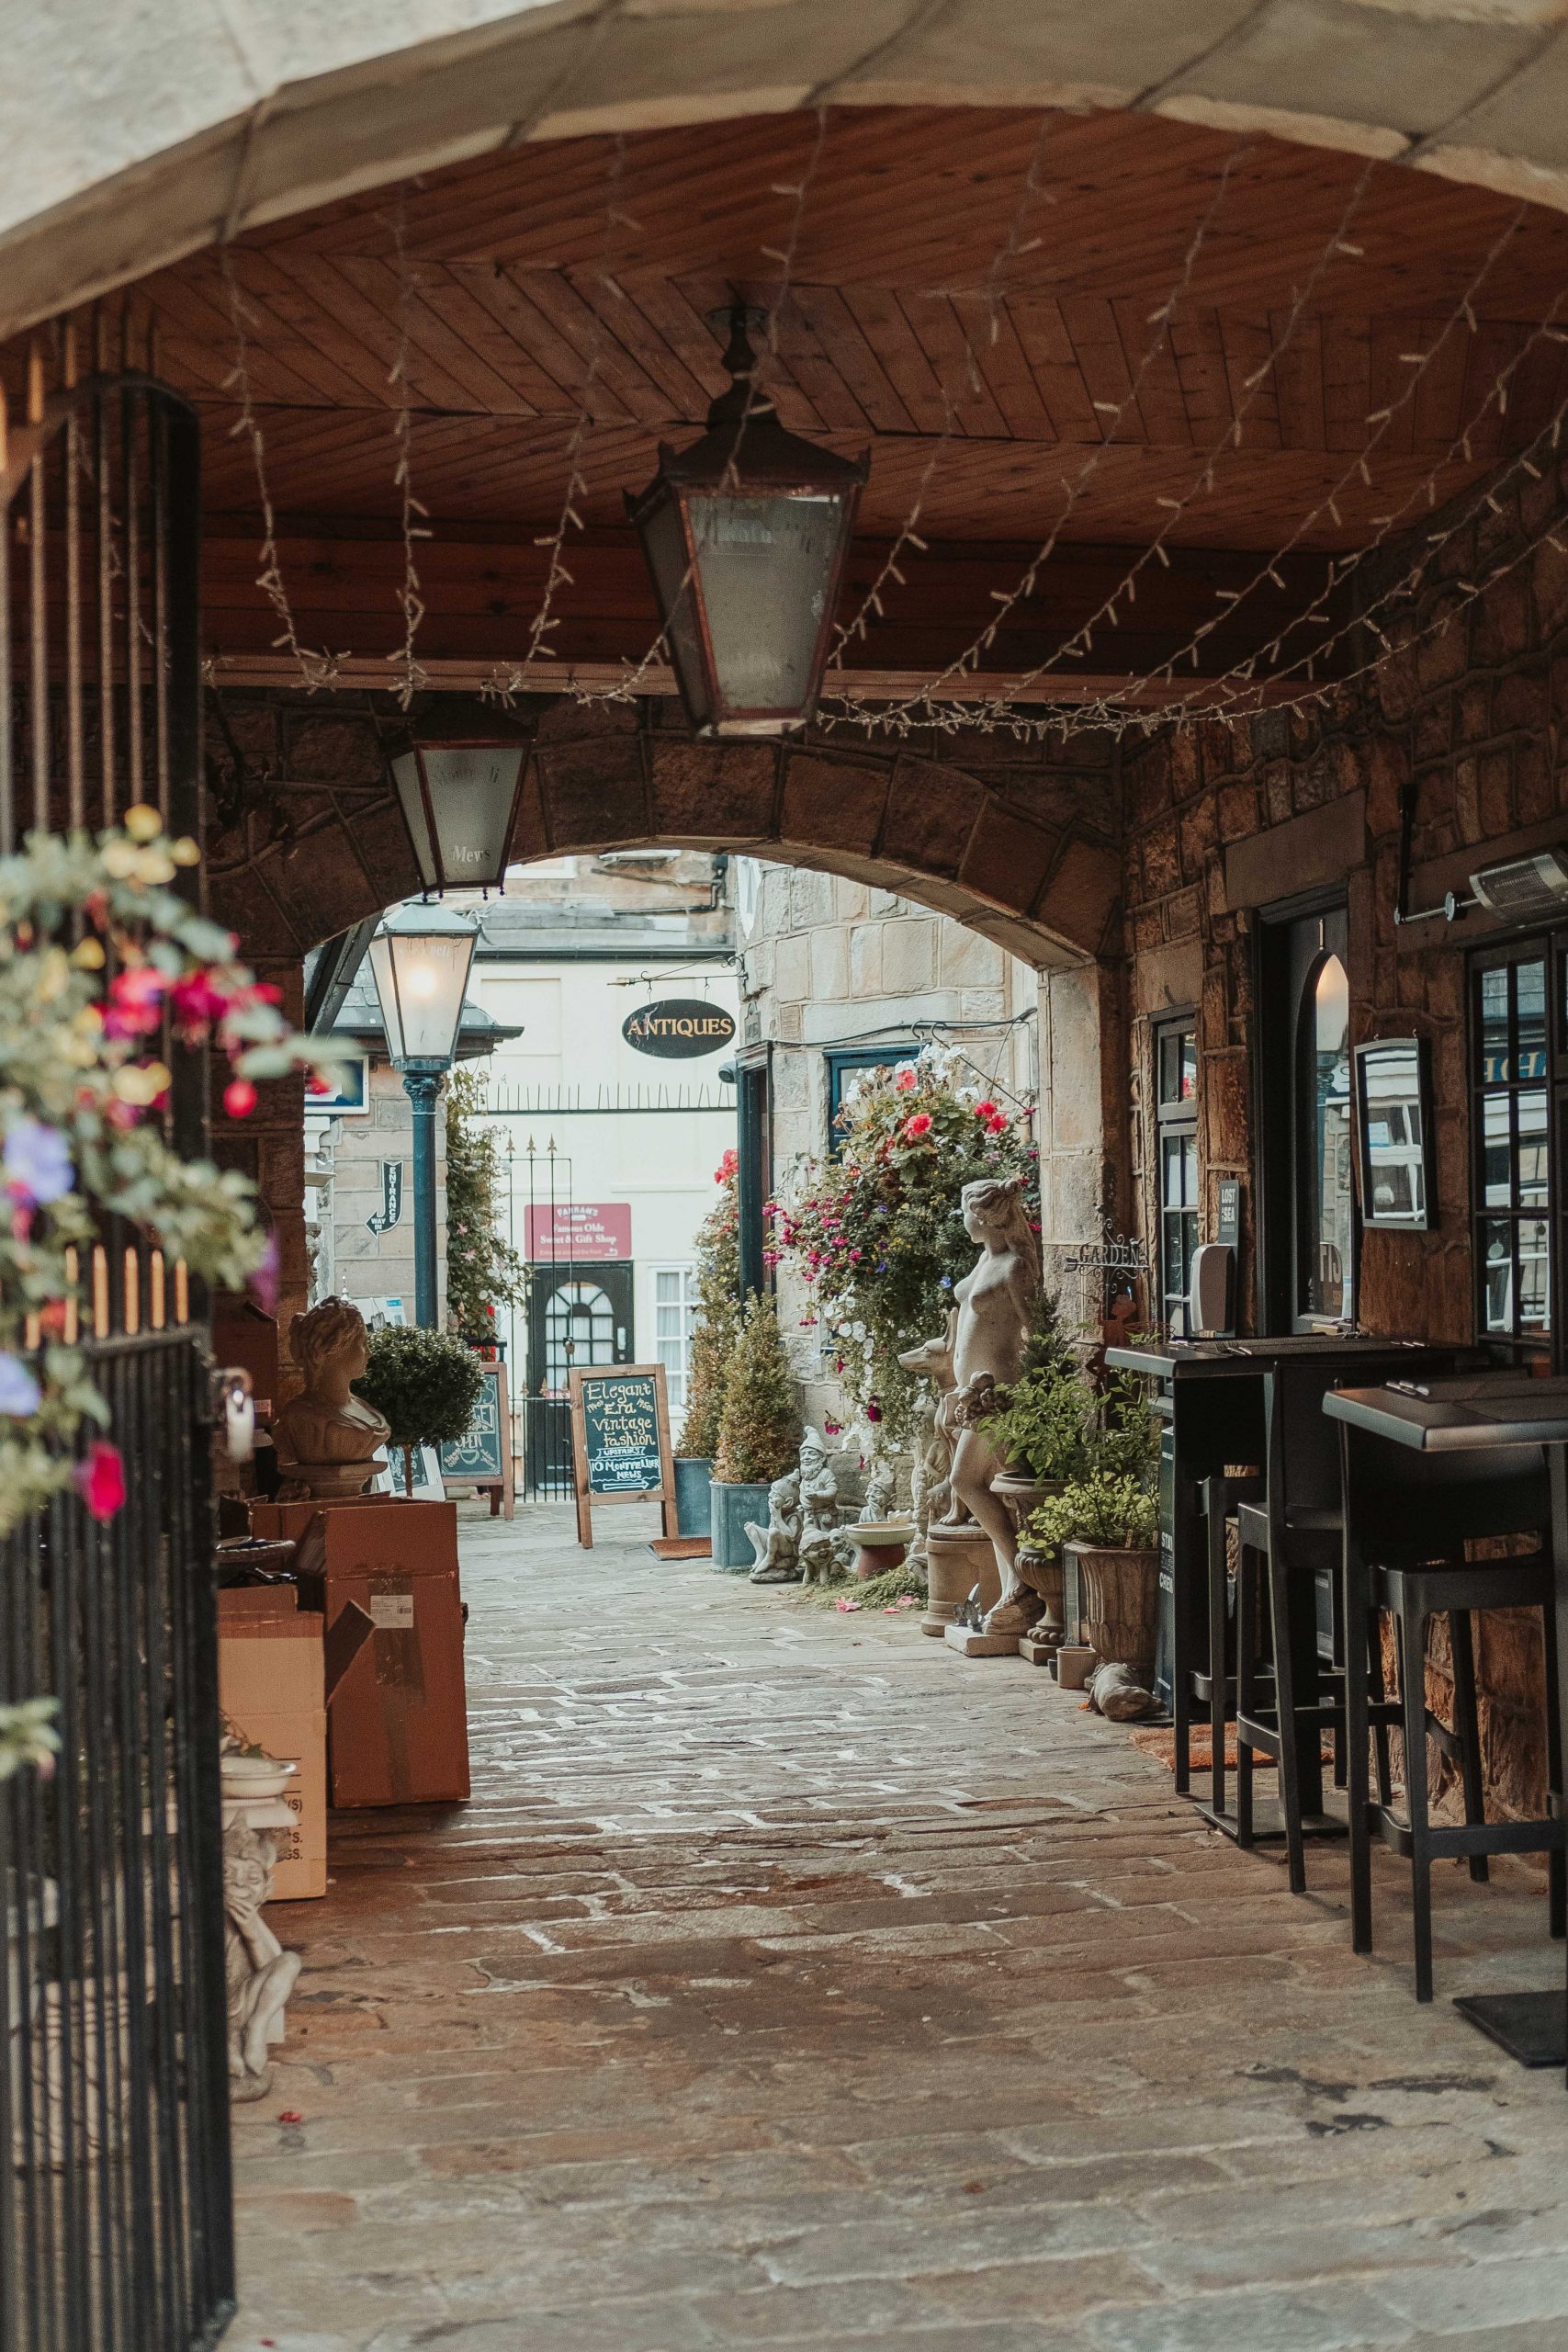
[(1209, 1398), (1478, 1413)]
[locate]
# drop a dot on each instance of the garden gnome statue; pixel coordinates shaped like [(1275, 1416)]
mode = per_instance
[(777, 1545), (996, 1305), (825, 1550), (328, 1439), (879, 1487)]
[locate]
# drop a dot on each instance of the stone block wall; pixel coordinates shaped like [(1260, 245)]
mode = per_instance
[(1463, 715)]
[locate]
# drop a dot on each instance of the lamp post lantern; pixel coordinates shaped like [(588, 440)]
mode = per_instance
[(746, 535), (420, 960), (459, 777)]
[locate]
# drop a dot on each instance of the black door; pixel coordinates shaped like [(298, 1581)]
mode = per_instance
[(578, 1315)]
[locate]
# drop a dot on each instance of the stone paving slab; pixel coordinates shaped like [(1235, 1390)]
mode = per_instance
[(791, 1981)]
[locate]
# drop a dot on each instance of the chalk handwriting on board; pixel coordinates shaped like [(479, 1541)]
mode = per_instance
[(621, 1427), (477, 1452)]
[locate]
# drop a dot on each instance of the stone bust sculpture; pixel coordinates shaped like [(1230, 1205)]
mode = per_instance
[(997, 1302), (328, 1439)]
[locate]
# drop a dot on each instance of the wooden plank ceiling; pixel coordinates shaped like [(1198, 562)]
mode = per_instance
[(976, 335)]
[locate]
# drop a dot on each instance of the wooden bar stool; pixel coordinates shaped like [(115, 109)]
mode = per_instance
[(1407, 1516)]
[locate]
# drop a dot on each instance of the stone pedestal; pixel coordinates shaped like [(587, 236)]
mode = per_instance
[(957, 1559), (973, 1641)]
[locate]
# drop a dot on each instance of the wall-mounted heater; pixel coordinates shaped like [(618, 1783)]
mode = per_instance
[(1524, 886)]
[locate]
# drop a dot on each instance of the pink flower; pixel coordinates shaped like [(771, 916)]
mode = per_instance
[(918, 1125), (197, 1003), (848, 1608), (100, 1480), (239, 1097), (905, 1081), (136, 1001)]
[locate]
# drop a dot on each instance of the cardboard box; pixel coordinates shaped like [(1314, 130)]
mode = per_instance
[(398, 1719), (271, 1686)]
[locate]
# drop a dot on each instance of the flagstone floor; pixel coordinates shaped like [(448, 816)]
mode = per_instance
[(791, 1981)]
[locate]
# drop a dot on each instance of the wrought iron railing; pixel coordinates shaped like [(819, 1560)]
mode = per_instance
[(113, 2152), (114, 2228)]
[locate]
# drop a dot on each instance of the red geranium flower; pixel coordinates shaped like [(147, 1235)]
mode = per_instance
[(985, 1110), (918, 1125), (100, 1480)]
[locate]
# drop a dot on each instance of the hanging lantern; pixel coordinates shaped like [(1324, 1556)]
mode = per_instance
[(459, 777), (420, 960), (746, 536)]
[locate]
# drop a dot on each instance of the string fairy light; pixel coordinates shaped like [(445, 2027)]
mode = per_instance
[(316, 669), (410, 600), (1008, 601), (1380, 423), (1013, 245)]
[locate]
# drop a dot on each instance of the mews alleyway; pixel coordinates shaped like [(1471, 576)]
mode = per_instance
[(791, 1981)]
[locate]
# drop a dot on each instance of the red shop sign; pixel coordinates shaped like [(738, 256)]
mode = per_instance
[(578, 1230)]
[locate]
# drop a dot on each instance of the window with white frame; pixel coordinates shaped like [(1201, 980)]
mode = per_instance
[(674, 1319)]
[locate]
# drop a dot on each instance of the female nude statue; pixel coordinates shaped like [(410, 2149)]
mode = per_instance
[(997, 1303)]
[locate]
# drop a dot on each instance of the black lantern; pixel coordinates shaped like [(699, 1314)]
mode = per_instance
[(746, 535), (459, 777), (420, 961)]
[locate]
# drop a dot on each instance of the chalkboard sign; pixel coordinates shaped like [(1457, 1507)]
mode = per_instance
[(482, 1456), (620, 1441)]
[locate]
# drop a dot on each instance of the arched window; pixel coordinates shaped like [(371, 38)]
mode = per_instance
[(1325, 1226)]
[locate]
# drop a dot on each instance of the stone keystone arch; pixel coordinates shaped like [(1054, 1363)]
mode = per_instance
[(1023, 849), (130, 135)]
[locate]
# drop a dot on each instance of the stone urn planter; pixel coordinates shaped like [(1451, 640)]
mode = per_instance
[(694, 1501), (880, 1545), (1120, 1605), (1041, 1570), (729, 1509)]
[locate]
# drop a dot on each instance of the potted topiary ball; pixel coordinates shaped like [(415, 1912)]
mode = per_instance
[(427, 1384), (759, 1432)]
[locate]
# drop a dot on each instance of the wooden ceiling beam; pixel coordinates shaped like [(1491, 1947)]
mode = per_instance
[(482, 589)]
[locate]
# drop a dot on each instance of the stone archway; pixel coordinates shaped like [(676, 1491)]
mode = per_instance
[(1021, 848), (127, 147)]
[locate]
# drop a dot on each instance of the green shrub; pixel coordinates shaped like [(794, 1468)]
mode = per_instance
[(427, 1384), (717, 1326), (1118, 1512), (759, 1435), (1046, 1428)]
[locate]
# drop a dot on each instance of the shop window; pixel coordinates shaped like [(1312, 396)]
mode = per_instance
[(674, 1319), (847, 1063), (1175, 1151), (1308, 1229), (1512, 1058)]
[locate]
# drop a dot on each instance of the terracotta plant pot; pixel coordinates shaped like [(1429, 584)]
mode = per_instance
[(1120, 1605)]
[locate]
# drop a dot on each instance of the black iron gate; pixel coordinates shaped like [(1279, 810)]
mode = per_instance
[(115, 2229)]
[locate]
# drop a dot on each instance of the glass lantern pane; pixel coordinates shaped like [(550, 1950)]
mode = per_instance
[(666, 548), (420, 979), (766, 566), (472, 788), (405, 777)]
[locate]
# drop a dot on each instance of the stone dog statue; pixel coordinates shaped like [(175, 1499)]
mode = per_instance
[(328, 1439)]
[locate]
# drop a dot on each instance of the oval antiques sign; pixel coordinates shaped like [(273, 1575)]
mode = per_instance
[(679, 1029)]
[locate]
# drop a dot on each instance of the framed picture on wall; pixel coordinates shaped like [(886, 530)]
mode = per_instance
[(1396, 1158)]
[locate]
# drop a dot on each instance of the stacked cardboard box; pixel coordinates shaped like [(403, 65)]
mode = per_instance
[(271, 1685)]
